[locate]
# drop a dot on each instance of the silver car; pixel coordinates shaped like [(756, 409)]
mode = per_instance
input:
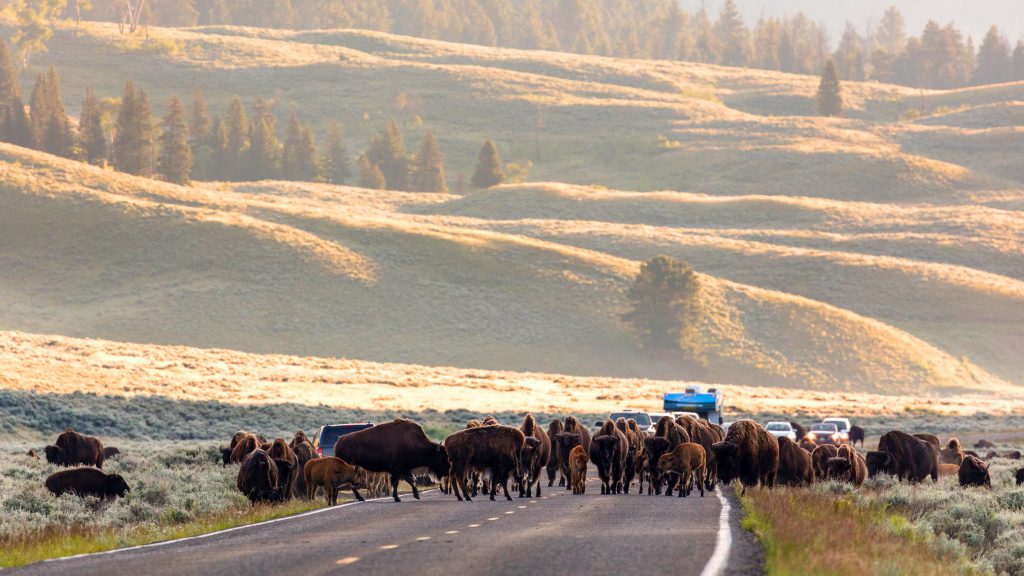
[(780, 429)]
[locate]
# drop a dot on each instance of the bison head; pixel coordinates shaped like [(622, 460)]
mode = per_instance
[(439, 463), (728, 462), (655, 446), (116, 486), (837, 468), (271, 495), (225, 455), (284, 468), (974, 472), (53, 454), (606, 448), (567, 441), (880, 463)]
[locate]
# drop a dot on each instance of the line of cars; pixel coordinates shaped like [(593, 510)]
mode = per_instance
[(834, 431)]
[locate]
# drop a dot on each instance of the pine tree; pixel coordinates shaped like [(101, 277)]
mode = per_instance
[(146, 136), (387, 151), (849, 56), (370, 174), (236, 127), (175, 164), (133, 145), (830, 97), (337, 166), (664, 301), (199, 120), (489, 170), (90, 130), (17, 129), (263, 157), (428, 167), (733, 35), (995, 64), (9, 86), (51, 129), (218, 144), (1018, 61), (300, 156)]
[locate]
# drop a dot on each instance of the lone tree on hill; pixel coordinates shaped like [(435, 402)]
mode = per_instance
[(175, 163), (830, 92), (663, 301), (489, 171)]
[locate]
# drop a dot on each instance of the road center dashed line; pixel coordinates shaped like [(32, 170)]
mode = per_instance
[(348, 560), (389, 547)]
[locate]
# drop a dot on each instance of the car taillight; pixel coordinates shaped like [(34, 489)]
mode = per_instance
[(320, 451)]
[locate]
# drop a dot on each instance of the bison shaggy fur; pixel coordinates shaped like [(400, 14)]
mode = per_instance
[(820, 457), (915, 458), (535, 456), (880, 463), (75, 449), (497, 450), (795, 466), (554, 466), (330, 473), (578, 469), (953, 453), (258, 477), (974, 472), (748, 453), (687, 462), (87, 482)]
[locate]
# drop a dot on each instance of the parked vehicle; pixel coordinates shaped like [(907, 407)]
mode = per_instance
[(708, 405), (824, 433), (327, 436), (843, 425), (655, 416), (643, 419), (781, 429)]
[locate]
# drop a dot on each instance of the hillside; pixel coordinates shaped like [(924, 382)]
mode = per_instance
[(333, 271)]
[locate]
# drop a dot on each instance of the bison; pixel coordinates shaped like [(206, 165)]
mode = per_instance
[(1020, 476), (820, 457), (795, 467), (948, 469), (983, 444), (609, 451), (914, 457), (246, 444), (109, 452), (578, 469), (931, 439), (748, 453), (497, 450), (847, 466), (1013, 455), (953, 453), (856, 435), (280, 450), (655, 446), (535, 457), (974, 472), (304, 452), (73, 449), (87, 482), (258, 477), (808, 445), (634, 442), (330, 473), (398, 447), (571, 426), (687, 461), (881, 463), (704, 433), (554, 463), (32, 453)]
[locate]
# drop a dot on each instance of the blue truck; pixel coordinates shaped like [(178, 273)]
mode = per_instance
[(708, 405)]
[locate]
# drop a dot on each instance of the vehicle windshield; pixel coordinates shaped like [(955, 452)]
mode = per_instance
[(824, 428), (331, 434), (779, 427), (642, 419), (840, 425)]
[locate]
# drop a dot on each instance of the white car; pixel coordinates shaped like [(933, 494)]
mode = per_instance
[(643, 420), (655, 416), (780, 429)]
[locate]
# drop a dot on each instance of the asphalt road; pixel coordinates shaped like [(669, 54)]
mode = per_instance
[(556, 534)]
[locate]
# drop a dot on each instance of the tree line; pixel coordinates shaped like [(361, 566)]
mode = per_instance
[(239, 145), (941, 57)]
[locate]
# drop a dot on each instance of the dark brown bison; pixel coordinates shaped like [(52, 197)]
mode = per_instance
[(490, 421), (1019, 476), (915, 458), (931, 439), (847, 466), (608, 451), (748, 453), (554, 466), (674, 435), (808, 445), (820, 457), (109, 452), (655, 446), (953, 453), (330, 473), (304, 452), (572, 426), (701, 432), (687, 462), (974, 472), (493, 450), (634, 443), (280, 450), (73, 449), (535, 458), (801, 431), (972, 453), (258, 478), (87, 482), (795, 467), (1013, 455), (398, 447), (246, 444), (856, 435), (984, 444), (881, 463), (991, 454)]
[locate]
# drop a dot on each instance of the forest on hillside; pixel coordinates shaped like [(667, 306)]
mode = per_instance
[(941, 56)]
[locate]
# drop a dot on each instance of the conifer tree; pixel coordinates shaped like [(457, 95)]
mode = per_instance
[(90, 130), (664, 302), (387, 151), (218, 144), (830, 97), (133, 145), (489, 170), (370, 174), (9, 86), (175, 164), (264, 153), (236, 128), (51, 129), (428, 167), (995, 63), (337, 166), (16, 127), (300, 156), (199, 119), (1018, 61)]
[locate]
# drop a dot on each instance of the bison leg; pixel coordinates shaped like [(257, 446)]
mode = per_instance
[(357, 495), (561, 479), (538, 489), (461, 480), (394, 487), (504, 486), (412, 482)]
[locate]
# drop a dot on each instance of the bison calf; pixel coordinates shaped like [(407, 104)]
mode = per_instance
[(578, 469), (87, 482), (688, 461), (330, 472)]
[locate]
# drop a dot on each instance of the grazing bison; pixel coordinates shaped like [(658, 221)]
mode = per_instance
[(915, 458), (535, 457), (572, 426), (578, 469), (991, 454), (87, 482), (398, 447), (1020, 476), (687, 462), (52, 454), (953, 453), (931, 439), (74, 449), (330, 473), (258, 477), (245, 445), (1013, 455), (974, 472), (984, 444), (748, 453), (280, 450), (493, 450), (847, 466), (856, 434), (608, 452), (820, 457), (554, 466), (109, 452), (795, 467), (881, 463)]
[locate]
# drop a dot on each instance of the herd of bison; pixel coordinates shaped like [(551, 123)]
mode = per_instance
[(683, 454)]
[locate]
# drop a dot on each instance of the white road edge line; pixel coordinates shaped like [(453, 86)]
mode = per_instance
[(723, 542), (225, 531)]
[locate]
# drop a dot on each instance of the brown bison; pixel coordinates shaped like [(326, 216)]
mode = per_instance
[(554, 466), (280, 450), (881, 463), (572, 426), (73, 449), (856, 435), (330, 473), (931, 439), (578, 469), (801, 431), (655, 447), (974, 472), (674, 435), (304, 452), (246, 444), (1019, 476), (87, 482), (535, 457), (634, 443), (808, 445), (32, 453), (748, 453), (915, 458), (795, 467), (110, 452), (398, 447), (820, 457), (983, 444), (704, 433), (991, 454), (953, 453), (687, 462), (847, 466), (1013, 455), (609, 451), (493, 450), (258, 477), (948, 469)]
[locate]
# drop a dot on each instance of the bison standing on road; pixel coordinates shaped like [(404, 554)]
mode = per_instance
[(72, 449), (974, 472), (748, 453), (304, 452), (634, 443), (578, 469), (572, 426), (258, 477), (554, 462), (795, 467), (398, 447), (687, 462), (856, 435), (87, 482), (608, 452), (535, 458), (915, 458), (494, 450), (656, 447), (330, 473), (703, 433)]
